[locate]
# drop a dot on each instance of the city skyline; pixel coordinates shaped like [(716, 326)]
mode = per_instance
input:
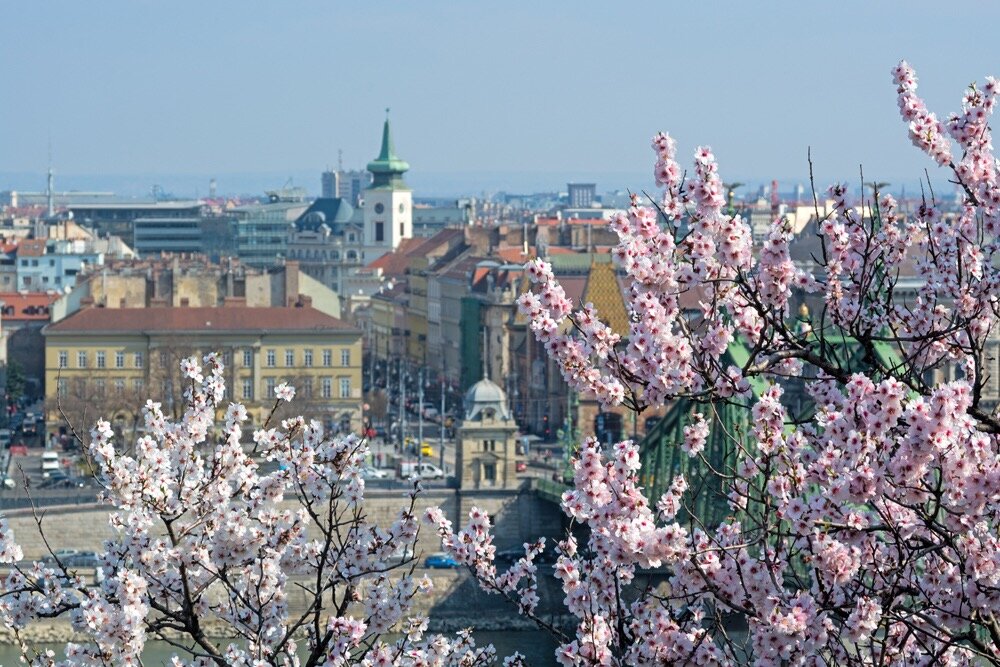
[(136, 94)]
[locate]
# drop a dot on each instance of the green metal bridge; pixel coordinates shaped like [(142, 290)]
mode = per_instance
[(729, 422)]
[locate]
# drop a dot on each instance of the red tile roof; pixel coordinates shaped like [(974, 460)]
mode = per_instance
[(31, 248), (395, 263), (514, 255), (31, 307), (198, 320)]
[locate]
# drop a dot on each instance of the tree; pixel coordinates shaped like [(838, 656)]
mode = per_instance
[(202, 537), (15, 382), (864, 532)]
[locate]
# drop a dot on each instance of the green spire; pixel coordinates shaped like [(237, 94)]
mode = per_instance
[(387, 168)]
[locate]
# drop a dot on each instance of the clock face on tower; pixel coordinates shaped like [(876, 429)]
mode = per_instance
[(379, 208)]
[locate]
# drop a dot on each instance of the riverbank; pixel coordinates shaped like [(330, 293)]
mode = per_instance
[(59, 632), (537, 647)]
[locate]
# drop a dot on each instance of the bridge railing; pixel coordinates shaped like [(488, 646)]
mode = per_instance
[(46, 498), (548, 489)]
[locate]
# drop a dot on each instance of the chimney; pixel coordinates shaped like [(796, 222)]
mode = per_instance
[(86, 302), (291, 282), (185, 302)]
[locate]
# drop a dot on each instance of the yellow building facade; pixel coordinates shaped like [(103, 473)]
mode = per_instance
[(105, 363)]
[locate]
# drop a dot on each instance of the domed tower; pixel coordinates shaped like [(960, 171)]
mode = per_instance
[(486, 456)]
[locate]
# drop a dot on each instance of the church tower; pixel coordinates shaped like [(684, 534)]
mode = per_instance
[(388, 208)]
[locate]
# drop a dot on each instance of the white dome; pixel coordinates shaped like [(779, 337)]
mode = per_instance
[(485, 395)]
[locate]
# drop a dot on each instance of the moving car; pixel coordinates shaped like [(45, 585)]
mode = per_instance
[(58, 479), (440, 561), (50, 463)]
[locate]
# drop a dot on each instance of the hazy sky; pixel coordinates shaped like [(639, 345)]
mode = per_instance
[(511, 93)]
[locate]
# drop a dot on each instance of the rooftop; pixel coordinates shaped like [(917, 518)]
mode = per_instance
[(325, 210), (31, 248), (32, 306), (198, 320), (155, 205)]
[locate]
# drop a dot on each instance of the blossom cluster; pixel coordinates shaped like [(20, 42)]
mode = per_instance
[(863, 532), (203, 535)]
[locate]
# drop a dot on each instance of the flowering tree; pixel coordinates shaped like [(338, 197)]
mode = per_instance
[(203, 537), (864, 534)]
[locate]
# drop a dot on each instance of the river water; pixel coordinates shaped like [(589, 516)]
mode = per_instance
[(537, 646)]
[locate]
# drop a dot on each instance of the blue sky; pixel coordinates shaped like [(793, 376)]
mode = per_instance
[(484, 96)]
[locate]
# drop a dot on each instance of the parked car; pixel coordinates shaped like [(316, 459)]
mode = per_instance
[(60, 554), (82, 559), (521, 466), (368, 472), (440, 561), (402, 555), (407, 469)]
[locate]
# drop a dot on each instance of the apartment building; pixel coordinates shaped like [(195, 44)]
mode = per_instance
[(105, 362)]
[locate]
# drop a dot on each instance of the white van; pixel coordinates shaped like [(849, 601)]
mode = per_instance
[(50, 463)]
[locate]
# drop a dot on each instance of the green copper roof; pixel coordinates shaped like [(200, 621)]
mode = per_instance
[(387, 162)]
